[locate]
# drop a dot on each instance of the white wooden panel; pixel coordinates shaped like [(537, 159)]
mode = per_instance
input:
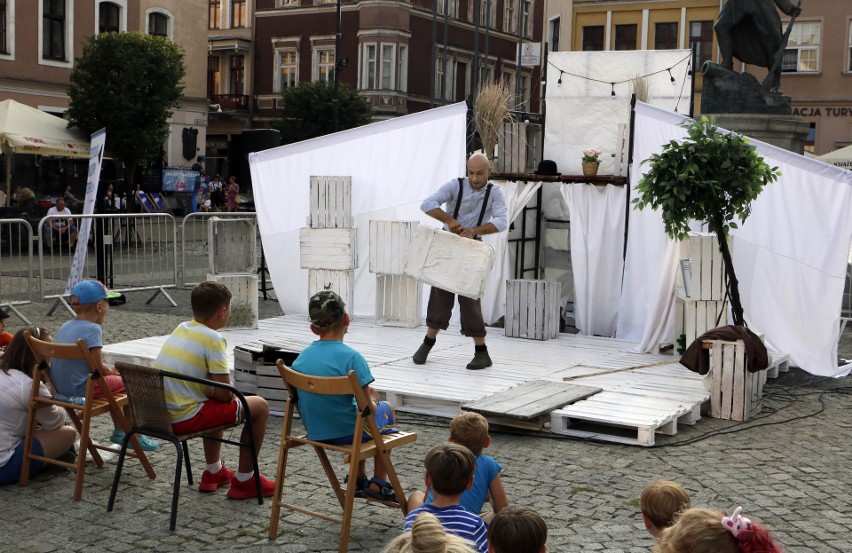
[(736, 393), (331, 202), (398, 301), (328, 248), (695, 317), (389, 243), (707, 270), (243, 287), (232, 245), (448, 261), (342, 282), (532, 309)]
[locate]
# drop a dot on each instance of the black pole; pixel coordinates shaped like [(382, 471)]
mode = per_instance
[(518, 53), (629, 166), (433, 65), (693, 71), (477, 8), (263, 270), (444, 53), (336, 67)]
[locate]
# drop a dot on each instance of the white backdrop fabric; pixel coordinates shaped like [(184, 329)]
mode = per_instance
[(597, 247), (790, 255)]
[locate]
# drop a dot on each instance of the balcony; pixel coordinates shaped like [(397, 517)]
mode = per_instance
[(231, 102)]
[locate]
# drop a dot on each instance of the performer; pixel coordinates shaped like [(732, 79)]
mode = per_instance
[(469, 202)]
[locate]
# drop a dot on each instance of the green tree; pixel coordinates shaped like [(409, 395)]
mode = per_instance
[(308, 111), (710, 176), (127, 83)]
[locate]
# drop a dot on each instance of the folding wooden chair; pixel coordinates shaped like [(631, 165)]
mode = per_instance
[(353, 453), (80, 415), (150, 416)]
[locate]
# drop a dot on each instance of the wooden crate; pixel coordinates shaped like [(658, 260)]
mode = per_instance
[(232, 245), (735, 393), (532, 309), (389, 243), (398, 301), (342, 282), (243, 287), (331, 202), (328, 248), (701, 271), (518, 147), (255, 373), (695, 317), (448, 261)]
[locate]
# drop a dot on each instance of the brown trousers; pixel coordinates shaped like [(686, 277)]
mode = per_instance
[(440, 309)]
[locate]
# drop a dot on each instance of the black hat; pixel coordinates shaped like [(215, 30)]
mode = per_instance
[(3, 315), (325, 308), (547, 167)]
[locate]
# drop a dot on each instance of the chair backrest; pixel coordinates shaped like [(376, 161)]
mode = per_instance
[(45, 351), (147, 203), (147, 398), (158, 200)]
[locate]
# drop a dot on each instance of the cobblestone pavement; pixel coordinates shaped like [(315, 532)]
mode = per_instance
[(789, 468)]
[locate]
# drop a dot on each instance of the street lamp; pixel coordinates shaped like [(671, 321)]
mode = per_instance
[(338, 64)]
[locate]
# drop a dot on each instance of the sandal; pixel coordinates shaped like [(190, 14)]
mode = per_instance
[(384, 493), (361, 483)]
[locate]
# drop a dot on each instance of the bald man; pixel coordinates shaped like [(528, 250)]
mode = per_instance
[(472, 207)]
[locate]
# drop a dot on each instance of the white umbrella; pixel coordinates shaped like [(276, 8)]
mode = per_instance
[(26, 130), (840, 158)]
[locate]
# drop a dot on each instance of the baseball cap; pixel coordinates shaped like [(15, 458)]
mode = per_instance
[(325, 308), (90, 291)]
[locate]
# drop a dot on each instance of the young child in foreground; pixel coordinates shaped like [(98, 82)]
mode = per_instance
[(196, 348), (701, 530), (471, 430), (90, 301), (449, 472), (428, 536), (517, 529), (661, 501)]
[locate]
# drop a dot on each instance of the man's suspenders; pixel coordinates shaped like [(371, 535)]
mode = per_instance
[(484, 202)]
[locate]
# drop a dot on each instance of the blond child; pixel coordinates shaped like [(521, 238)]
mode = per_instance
[(660, 503), (428, 536), (517, 529), (701, 530), (471, 430)]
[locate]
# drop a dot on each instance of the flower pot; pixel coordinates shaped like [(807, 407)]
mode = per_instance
[(590, 168)]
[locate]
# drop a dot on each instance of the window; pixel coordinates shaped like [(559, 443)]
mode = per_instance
[(214, 14), (810, 141), (665, 36), (444, 83), (287, 67), (369, 78), (701, 35), (320, 2), (4, 27), (324, 64), (447, 7), (802, 53), (554, 34), (238, 13), (525, 93), (510, 16), (625, 37), (487, 13), (158, 24), (593, 38), (486, 74), (53, 33), (212, 76), (526, 15), (849, 68), (288, 3), (388, 64), (402, 69), (238, 74), (109, 15)]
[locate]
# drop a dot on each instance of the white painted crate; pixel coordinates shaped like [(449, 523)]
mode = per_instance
[(694, 318), (448, 261), (231, 245), (389, 243), (243, 287), (532, 309), (328, 248), (735, 393), (341, 282), (701, 269), (398, 301), (331, 202), (255, 373)]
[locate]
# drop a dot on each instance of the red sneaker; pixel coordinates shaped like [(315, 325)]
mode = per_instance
[(210, 482), (248, 490)]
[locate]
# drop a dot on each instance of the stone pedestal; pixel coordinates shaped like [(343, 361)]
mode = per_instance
[(785, 131)]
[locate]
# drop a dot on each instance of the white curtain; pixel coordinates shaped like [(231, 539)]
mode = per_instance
[(597, 248), (517, 194)]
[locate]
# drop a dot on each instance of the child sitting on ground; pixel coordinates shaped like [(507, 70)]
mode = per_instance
[(196, 349), (449, 472), (471, 430), (89, 299), (517, 529), (428, 536), (661, 501), (700, 530), (331, 419)]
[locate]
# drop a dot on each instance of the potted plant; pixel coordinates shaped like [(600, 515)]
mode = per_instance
[(591, 161)]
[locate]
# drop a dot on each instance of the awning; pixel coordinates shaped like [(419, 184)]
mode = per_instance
[(839, 158), (26, 130)]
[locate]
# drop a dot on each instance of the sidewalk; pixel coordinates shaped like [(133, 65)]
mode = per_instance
[(789, 468)]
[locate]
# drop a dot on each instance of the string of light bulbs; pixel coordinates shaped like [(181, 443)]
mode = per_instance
[(613, 83)]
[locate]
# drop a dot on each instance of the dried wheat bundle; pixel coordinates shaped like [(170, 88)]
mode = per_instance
[(490, 111), (641, 88)]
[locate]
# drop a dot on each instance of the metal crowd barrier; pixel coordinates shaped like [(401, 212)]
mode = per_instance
[(194, 248), (127, 252), (17, 285)]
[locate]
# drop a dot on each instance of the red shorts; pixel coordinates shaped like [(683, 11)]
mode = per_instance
[(115, 384), (212, 414)]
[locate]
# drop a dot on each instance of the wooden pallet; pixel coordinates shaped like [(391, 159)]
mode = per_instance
[(530, 400)]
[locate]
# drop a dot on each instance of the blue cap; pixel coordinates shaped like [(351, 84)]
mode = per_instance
[(90, 291)]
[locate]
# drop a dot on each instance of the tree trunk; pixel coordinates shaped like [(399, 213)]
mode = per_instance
[(733, 283)]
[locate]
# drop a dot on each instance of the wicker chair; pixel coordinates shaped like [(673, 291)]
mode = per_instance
[(150, 416)]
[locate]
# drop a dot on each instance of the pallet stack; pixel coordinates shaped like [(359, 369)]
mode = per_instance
[(700, 300), (735, 393), (232, 260), (532, 309), (398, 297), (328, 247)]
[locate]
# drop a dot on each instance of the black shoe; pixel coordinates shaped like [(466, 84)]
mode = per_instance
[(481, 360), (421, 354)]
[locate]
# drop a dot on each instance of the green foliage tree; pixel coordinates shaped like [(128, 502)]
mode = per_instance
[(710, 176), (308, 111), (127, 83)]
